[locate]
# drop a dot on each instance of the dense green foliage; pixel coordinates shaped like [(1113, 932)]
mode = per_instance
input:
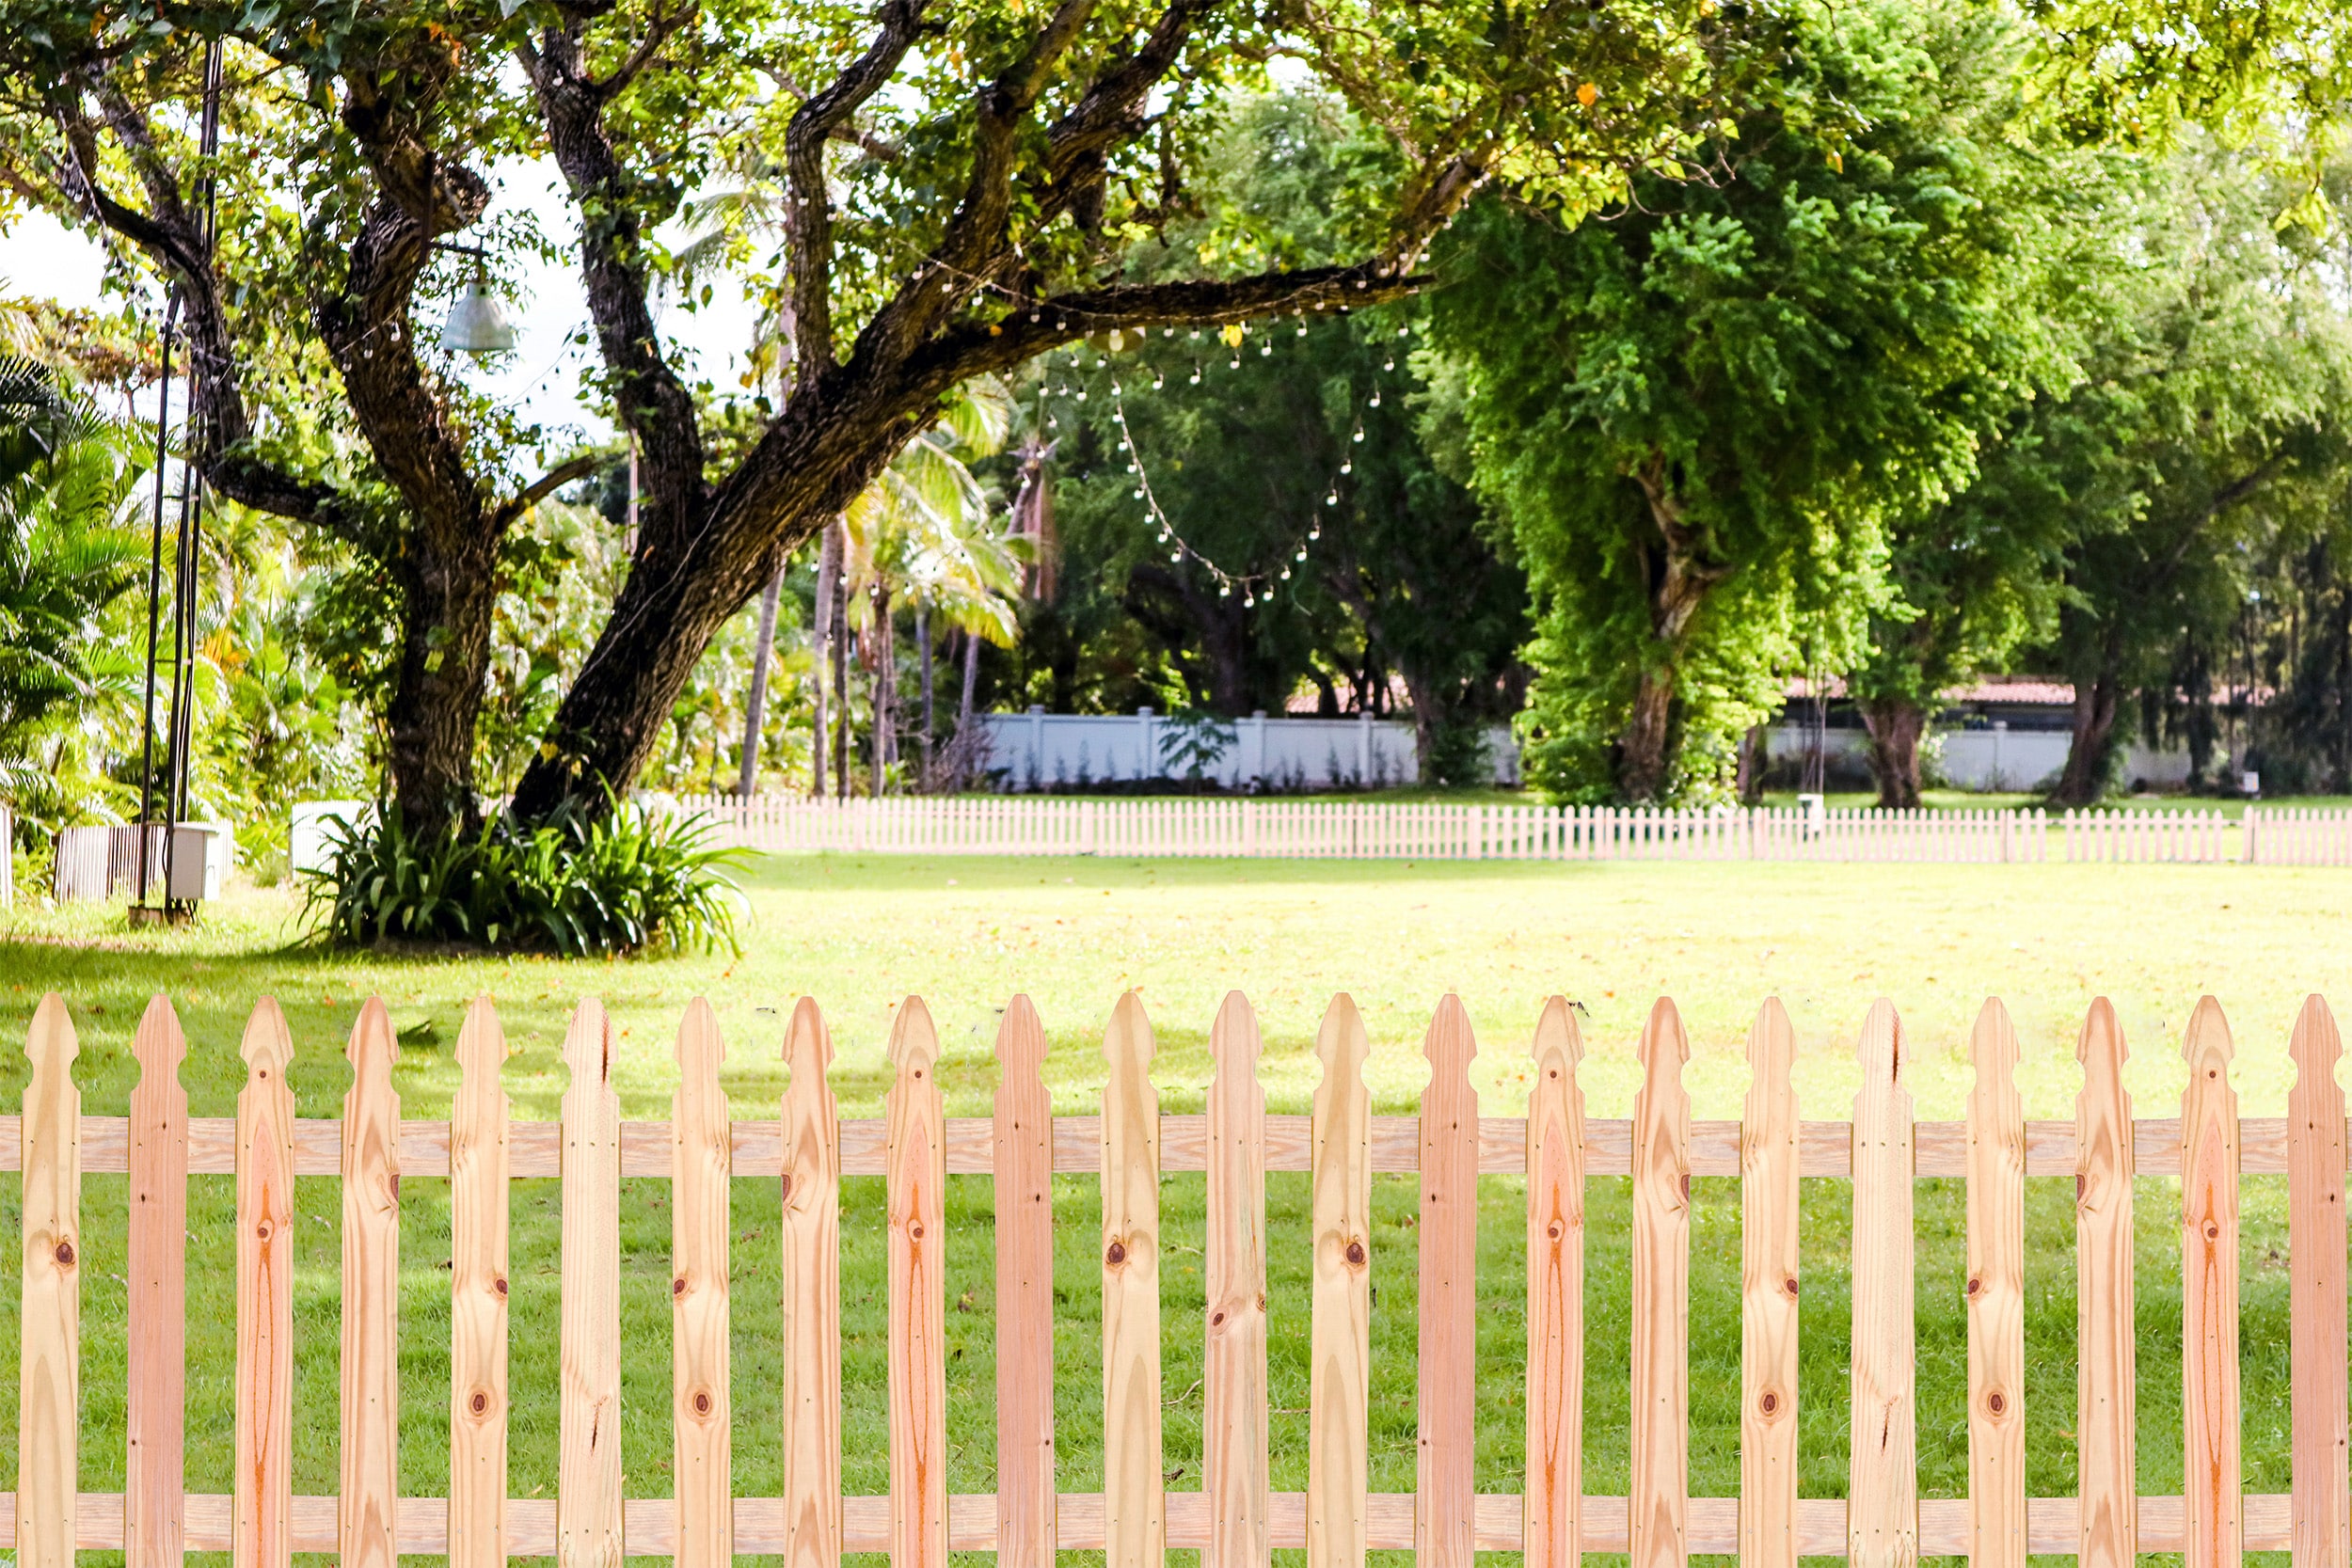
[(1703, 413), (626, 880)]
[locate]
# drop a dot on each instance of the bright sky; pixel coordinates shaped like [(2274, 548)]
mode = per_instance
[(40, 258)]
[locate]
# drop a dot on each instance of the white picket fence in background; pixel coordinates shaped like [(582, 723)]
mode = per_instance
[(1378, 829)]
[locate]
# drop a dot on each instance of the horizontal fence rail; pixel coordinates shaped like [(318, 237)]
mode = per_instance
[(1378, 829), (1236, 1518)]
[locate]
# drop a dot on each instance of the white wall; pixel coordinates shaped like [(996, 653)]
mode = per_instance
[(1039, 750), (1992, 759)]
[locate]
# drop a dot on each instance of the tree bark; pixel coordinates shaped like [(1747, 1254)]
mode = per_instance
[(827, 584), (841, 693), (1679, 578), (885, 688), (755, 706), (2096, 702), (922, 656), (1896, 725)]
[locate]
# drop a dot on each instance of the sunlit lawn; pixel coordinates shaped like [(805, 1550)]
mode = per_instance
[(859, 933)]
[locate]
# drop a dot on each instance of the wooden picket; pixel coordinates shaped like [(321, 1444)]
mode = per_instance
[(1233, 1517)]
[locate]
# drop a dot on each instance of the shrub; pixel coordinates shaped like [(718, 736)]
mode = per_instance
[(620, 880)]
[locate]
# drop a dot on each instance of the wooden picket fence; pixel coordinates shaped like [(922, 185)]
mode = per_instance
[(1379, 830), (1237, 1519)]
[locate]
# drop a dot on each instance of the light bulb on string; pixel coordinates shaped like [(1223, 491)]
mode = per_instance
[(1158, 381), (1302, 552), (1196, 375), (1315, 532), (1347, 467), (1138, 495), (1265, 349), (1359, 432), (1224, 589), (1176, 557), (1237, 364), (1331, 500), (1286, 574), (1389, 363), (1376, 399)]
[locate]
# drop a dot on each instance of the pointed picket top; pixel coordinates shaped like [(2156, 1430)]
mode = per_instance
[(1234, 1048), (1129, 1048), (1021, 1046), (807, 1060), (1557, 1036), (1772, 1061), (1663, 1050), (2314, 1048), (913, 1048), (1449, 1048), (267, 1048), (588, 1051), (1342, 1047), (700, 1051), (159, 1047), (1885, 1069), (372, 1050), (481, 1049), (52, 1046), (2102, 1050)]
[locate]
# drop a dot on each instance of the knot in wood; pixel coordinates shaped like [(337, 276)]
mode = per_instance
[(1118, 1254), (1974, 1285), (263, 1231), (480, 1402), (1769, 1402), (1553, 1230), (2213, 1231), (65, 1252), (1995, 1402), (1792, 1285), (702, 1404), (915, 1231), (1356, 1252), (500, 1286), (787, 1187), (1216, 1318), (678, 1286)]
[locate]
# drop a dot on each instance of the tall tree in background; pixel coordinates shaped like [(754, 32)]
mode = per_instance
[(966, 188), (1701, 412)]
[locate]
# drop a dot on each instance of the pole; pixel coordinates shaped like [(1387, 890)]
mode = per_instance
[(154, 594)]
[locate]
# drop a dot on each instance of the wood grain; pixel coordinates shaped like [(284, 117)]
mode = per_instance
[(811, 1240), (1659, 1495), (917, 1181), (1768, 1296), (1996, 1297), (154, 1523), (1235, 1454), (477, 1284), (2105, 1404), (1552, 1525), (1448, 1288), (2315, 1270), (701, 1408), (1134, 1520), (2209, 1294), (1883, 1511), (588, 1411), (49, 1358), (265, 1249), (370, 1359), (1339, 1455), (1024, 1293)]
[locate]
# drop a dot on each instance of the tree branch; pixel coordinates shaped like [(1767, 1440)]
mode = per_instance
[(545, 486), (808, 206), (664, 26), (651, 401)]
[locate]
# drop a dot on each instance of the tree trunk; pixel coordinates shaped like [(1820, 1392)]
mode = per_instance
[(1754, 757), (2096, 702), (967, 739), (1896, 725), (1428, 720), (1679, 582), (885, 686), (827, 584), (841, 693), (1645, 758), (449, 604), (755, 706), (922, 656)]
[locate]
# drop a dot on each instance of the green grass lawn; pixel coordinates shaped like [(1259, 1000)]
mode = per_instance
[(859, 932)]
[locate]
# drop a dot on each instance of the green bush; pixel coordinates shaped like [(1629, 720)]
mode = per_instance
[(619, 881)]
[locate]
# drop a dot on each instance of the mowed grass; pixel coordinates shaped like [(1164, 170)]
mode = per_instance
[(860, 933)]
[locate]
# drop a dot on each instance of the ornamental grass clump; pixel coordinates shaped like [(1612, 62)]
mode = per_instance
[(619, 881)]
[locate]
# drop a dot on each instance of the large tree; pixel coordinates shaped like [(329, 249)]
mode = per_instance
[(964, 187), (1701, 412)]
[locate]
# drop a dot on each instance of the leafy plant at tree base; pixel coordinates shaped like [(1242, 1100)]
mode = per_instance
[(621, 881)]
